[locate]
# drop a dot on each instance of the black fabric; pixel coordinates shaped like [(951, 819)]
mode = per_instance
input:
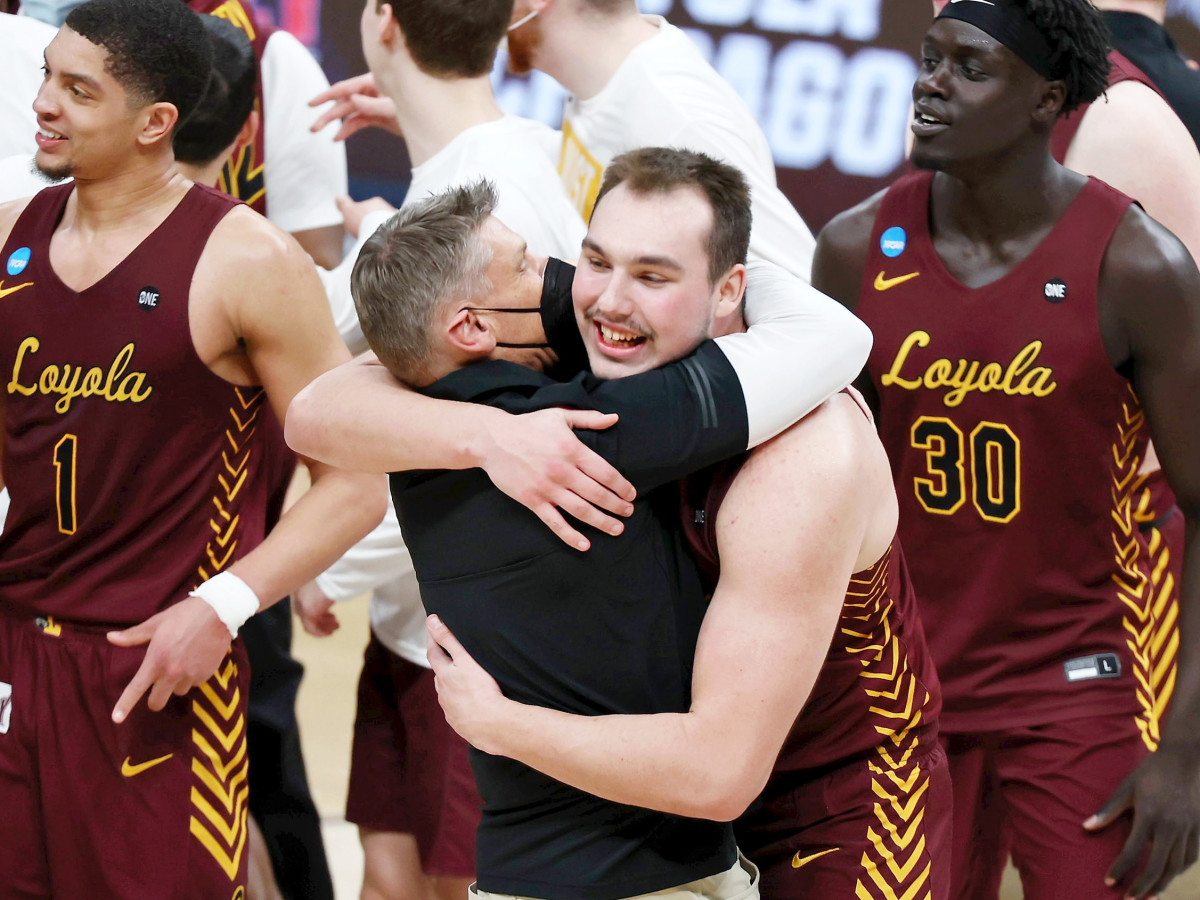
[(1148, 46), (558, 319), (612, 630), (1008, 24)]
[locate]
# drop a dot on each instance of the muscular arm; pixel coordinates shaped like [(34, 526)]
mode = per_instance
[(785, 567), (1134, 141), (1150, 321)]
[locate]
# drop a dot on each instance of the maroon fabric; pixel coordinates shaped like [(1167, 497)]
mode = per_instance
[(1028, 791), (409, 770), (1018, 496), (1068, 125), (149, 479), (75, 823), (844, 848), (243, 176), (877, 690)]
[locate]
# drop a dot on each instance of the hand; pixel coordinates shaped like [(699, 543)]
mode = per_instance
[(537, 460), (315, 611), (1164, 794), (469, 696), (187, 643), (354, 211), (358, 103)]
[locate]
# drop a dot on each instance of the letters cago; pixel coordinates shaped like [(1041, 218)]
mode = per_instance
[(115, 385)]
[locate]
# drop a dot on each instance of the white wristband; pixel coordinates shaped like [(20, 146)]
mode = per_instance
[(231, 599)]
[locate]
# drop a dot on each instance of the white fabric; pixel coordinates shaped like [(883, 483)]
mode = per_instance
[(18, 178), (509, 152), (304, 172), (22, 42), (665, 94)]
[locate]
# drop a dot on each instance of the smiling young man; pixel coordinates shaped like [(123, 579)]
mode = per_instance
[(147, 351), (1033, 328)]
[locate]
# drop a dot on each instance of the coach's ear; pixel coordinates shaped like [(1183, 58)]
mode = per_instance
[(730, 291), (469, 337)]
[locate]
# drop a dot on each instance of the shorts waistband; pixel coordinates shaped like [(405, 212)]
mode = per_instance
[(51, 626)]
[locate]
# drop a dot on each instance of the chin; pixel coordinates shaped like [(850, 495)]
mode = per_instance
[(922, 159), (54, 173)]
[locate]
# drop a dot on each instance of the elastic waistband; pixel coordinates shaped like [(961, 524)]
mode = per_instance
[(56, 628)]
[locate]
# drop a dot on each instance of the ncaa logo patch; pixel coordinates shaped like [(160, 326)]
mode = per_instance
[(1056, 290), (19, 260), (893, 241), (148, 297), (5, 706)]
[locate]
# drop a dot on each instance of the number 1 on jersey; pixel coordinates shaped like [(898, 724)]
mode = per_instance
[(64, 462)]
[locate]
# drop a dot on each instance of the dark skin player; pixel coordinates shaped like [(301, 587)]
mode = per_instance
[(982, 121)]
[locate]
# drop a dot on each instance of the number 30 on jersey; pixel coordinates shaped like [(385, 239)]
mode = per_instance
[(989, 458)]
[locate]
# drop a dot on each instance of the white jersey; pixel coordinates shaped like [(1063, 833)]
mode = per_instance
[(22, 43), (304, 172), (511, 153), (665, 94)]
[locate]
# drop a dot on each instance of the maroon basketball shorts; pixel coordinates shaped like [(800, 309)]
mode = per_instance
[(154, 807), (1027, 791), (409, 770), (879, 828)]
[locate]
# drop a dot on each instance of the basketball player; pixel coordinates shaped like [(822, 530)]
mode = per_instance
[(411, 790), (1032, 327), (858, 802), (146, 355)]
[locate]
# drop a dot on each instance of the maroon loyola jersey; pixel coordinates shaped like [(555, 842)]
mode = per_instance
[(1015, 448), (134, 471)]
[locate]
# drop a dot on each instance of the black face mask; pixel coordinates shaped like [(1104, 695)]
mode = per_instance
[(558, 318), (556, 301)]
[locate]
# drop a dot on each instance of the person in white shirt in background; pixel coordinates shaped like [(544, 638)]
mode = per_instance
[(434, 64)]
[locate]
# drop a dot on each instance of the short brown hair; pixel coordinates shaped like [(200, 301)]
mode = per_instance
[(427, 255), (452, 37), (663, 169)]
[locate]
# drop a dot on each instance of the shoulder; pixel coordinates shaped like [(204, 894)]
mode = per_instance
[(1147, 272), (1129, 128), (246, 255), (9, 213), (842, 249)]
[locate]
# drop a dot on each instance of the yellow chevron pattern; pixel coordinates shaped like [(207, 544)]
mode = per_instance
[(220, 793), (231, 477), (1143, 578), (896, 866)]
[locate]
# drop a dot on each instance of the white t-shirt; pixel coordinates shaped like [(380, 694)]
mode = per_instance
[(511, 153), (665, 94), (22, 42), (304, 172)]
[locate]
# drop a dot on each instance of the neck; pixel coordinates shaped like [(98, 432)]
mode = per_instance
[(109, 203), (1151, 9), (1012, 197), (586, 51), (207, 175), (434, 111)]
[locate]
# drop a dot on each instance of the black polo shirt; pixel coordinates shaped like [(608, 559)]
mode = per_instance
[(612, 630), (1149, 47)]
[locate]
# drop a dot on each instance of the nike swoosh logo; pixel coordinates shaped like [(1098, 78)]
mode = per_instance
[(797, 861), (886, 284), (129, 770), (4, 292)]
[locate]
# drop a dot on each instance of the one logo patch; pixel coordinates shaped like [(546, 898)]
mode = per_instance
[(148, 298), (893, 241), (1102, 665), (5, 706), (129, 770), (883, 283), (1056, 290), (4, 292), (19, 260)]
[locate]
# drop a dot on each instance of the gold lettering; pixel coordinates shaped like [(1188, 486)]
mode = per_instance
[(963, 376), (29, 345), (71, 381)]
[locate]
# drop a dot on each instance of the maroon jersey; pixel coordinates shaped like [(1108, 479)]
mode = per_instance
[(877, 696), (243, 176), (1016, 450), (134, 471), (1067, 126)]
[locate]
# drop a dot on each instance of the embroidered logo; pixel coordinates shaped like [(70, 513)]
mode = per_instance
[(893, 242), (128, 769), (1056, 290), (5, 291), (886, 284), (19, 260), (148, 297)]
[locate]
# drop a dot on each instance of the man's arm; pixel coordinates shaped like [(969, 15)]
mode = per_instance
[(1133, 140), (800, 518), (258, 315), (1150, 318)]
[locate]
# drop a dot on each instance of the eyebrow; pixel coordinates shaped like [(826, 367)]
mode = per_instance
[(72, 76), (660, 262)]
